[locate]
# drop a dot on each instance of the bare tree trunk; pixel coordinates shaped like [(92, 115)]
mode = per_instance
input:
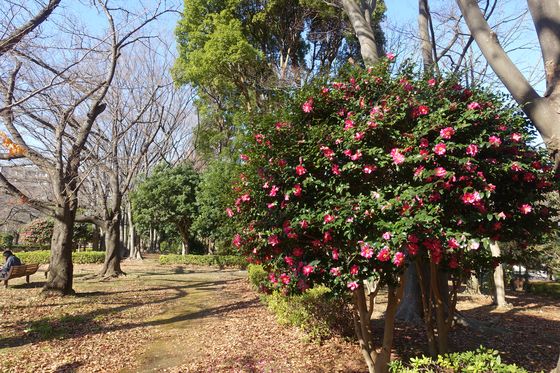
[(61, 269), (133, 244), (95, 238), (543, 111), (499, 284), (424, 30), (472, 285), (112, 265), (359, 13)]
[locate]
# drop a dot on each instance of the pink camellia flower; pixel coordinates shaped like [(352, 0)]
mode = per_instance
[(473, 106), (271, 205), (447, 132), (272, 278), (259, 137), (244, 157), (285, 278), (347, 152), (359, 136), (387, 235), (273, 191), (419, 171), (297, 251), (354, 269), (398, 158), (307, 270), (356, 155), (297, 190), (229, 212), (440, 149), (328, 218), (368, 169), (472, 150), (440, 172), (502, 215), (300, 170), (516, 137), (390, 56), (335, 254), (335, 169), (452, 243), (245, 198), (421, 110), (398, 259), (304, 224), (327, 236), (432, 82), (366, 251), (516, 167), (273, 240), (335, 271), (384, 255), (348, 124), (236, 240), (471, 198), (353, 285), (525, 208), (280, 125), (307, 106), (289, 260), (495, 140)]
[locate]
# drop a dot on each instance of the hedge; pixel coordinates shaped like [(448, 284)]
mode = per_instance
[(43, 257), (205, 260), (544, 288), (481, 360)]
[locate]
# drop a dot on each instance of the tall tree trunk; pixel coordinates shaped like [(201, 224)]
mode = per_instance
[(95, 238), (185, 238), (112, 265), (133, 244), (410, 309), (472, 285), (61, 269), (359, 13), (424, 30), (498, 277)]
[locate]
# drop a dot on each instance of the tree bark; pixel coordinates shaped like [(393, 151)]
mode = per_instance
[(410, 309), (472, 285), (544, 112), (424, 30), (185, 238), (112, 265), (359, 13), (61, 269), (498, 277), (133, 244)]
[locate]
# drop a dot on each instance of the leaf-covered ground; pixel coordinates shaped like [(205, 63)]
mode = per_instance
[(179, 319)]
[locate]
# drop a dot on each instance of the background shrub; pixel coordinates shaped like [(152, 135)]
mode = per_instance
[(205, 260), (257, 276), (481, 360), (315, 311), (43, 257)]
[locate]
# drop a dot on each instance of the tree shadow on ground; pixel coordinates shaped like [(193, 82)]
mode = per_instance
[(527, 340), (69, 367), (87, 324)]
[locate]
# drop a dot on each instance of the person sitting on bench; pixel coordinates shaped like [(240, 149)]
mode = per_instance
[(11, 260)]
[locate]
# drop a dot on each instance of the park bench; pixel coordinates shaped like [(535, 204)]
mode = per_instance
[(20, 271)]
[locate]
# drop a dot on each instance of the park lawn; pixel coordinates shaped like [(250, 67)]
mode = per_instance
[(192, 319)]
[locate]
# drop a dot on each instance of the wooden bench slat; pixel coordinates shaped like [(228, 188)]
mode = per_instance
[(20, 271)]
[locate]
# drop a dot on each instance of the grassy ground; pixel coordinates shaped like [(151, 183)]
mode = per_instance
[(201, 319)]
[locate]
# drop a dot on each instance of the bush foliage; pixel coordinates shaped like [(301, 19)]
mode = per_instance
[(479, 361), (43, 257), (205, 260)]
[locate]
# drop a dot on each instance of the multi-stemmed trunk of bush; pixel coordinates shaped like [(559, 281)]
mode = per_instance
[(377, 358), (438, 313)]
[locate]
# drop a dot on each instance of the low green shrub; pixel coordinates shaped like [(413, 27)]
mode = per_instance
[(43, 257), (318, 314), (6, 240), (480, 361), (544, 288), (257, 275), (205, 260)]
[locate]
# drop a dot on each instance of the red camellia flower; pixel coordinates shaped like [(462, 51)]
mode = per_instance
[(384, 255), (495, 140), (300, 170), (307, 270), (368, 169), (473, 106), (273, 240), (440, 172), (297, 190), (398, 259), (237, 240), (354, 270), (335, 169), (516, 137), (328, 218), (471, 198)]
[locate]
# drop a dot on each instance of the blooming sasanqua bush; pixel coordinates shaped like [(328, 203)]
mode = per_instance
[(358, 176), (361, 176)]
